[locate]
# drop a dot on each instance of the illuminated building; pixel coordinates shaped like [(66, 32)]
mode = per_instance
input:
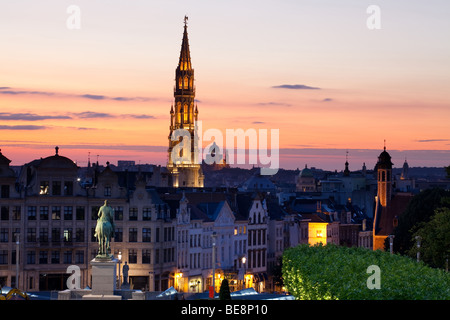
[(388, 206), (183, 164)]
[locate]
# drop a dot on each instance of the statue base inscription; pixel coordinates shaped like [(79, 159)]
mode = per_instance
[(103, 279)]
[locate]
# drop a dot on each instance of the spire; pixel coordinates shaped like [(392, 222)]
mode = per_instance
[(185, 55)]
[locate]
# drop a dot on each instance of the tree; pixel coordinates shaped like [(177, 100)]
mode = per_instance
[(447, 169), (420, 210), (224, 293), (435, 239)]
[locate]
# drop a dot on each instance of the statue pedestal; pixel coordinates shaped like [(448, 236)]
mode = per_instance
[(103, 280)]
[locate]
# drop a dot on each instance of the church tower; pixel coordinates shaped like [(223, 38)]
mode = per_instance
[(384, 178), (185, 167)]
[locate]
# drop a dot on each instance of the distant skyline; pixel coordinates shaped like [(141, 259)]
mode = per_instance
[(312, 69)]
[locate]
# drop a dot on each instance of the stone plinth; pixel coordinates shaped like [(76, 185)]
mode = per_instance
[(103, 279)]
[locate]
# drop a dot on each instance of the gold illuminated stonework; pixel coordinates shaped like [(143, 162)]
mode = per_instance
[(183, 114)]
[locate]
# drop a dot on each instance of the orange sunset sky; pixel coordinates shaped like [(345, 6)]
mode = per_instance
[(312, 69)]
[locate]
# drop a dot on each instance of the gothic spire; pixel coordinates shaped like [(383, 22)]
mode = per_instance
[(185, 55)]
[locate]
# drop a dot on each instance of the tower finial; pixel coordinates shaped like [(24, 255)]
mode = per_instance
[(185, 20), (384, 144)]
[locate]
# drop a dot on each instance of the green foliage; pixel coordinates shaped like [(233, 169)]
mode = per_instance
[(420, 209), (334, 272), (224, 293), (435, 239)]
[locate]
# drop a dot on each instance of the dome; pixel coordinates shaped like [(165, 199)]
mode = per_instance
[(56, 162), (384, 160), (306, 172)]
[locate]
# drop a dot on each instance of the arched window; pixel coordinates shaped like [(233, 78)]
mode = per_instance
[(185, 114)]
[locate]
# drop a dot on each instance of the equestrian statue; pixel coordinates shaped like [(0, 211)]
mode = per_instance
[(104, 231)]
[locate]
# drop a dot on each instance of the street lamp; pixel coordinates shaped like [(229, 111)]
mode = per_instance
[(17, 259), (391, 243), (244, 260), (418, 238), (119, 256), (214, 236)]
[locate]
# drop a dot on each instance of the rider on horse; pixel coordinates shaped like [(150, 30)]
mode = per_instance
[(104, 230)]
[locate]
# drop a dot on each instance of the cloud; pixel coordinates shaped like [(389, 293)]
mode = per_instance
[(23, 127), (29, 116), (91, 115), (139, 116), (295, 87), (7, 90), (327, 100), (95, 115), (258, 122), (271, 103), (93, 96), (433, 140), (11, 91)]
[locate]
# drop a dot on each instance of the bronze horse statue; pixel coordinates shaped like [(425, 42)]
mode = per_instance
[(104, 230)]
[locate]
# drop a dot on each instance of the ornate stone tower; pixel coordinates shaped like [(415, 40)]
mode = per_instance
[(384, 178), (185, 167)]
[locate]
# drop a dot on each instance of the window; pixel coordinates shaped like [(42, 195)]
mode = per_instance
[(55, 257), (157, 235), (146, 235), (107, 191), (4, 235), (132, 235), (31, 257), (79, 235), (133, 214), (132, 256), (118, 213), (3, 256), (56, 235), (68, 213), (80, 213), (43, 188), (56, 213), (56, 188), (94, 213), (5, 191), (43, 235), (67, 235), (31, 215), (68, 188), (118, 235), (146, 256), (4, 214), (146, 214), (16, 213), (67, 257), (79, 256), (31, 234), (43, 257), (43, 213)]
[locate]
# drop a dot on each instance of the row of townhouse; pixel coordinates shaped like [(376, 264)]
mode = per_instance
[(167, 236), (48, 215)]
